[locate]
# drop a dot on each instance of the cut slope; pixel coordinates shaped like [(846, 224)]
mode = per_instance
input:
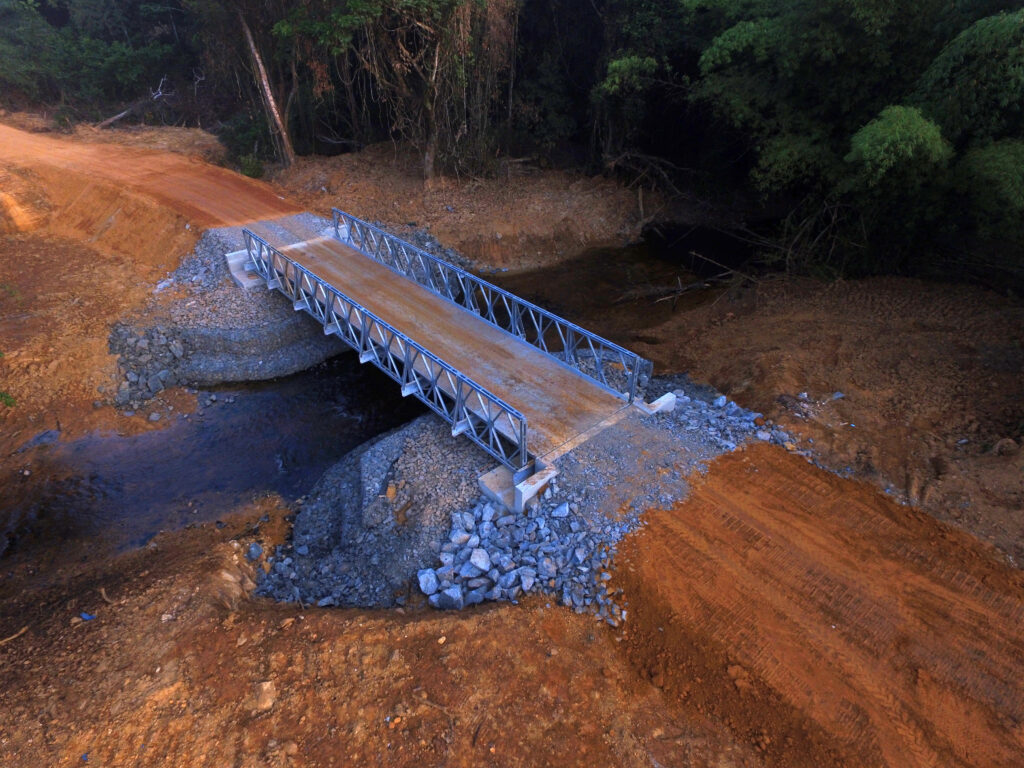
[(846, 629)]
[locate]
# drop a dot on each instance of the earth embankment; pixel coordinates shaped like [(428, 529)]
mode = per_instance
[(833, 625)]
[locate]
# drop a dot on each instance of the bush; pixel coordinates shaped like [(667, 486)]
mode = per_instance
[(991, 178), (974, 87), (246, 135), (900, 145)]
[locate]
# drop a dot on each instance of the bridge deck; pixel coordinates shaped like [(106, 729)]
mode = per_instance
[(558, 403)]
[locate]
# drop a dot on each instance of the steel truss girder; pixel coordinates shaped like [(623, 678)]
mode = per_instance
[(616, 369), (483, 417)]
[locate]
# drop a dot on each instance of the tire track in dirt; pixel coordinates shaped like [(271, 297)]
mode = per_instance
[(97, 187), (827, 624)]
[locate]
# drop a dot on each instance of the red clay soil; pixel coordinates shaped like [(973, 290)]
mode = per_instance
[(781, 616), (147, 204), (826, 623), (931, 377)]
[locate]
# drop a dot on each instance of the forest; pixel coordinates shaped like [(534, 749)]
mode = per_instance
[(843, 137)]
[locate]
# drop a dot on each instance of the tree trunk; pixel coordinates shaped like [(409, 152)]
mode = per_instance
[(287, 152), (430, 143)]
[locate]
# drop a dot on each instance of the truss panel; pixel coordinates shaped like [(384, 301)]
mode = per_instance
[(471, 409), (616, 369)]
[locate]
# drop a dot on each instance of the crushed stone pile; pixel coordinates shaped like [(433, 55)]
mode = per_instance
[(458, 549)]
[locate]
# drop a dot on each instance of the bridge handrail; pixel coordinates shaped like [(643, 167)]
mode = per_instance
[(615, 368), (374, 339)]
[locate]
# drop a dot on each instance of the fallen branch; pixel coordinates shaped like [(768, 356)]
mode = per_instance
[(728, 270), (15, 636), (156, 95), (695, 286)]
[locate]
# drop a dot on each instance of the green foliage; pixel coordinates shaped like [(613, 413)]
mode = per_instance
[(27, 61), (899, 141), (251, 166), (791, 160), (247, 135), (991, 178), (810, 87), (975, 87), (627, 74)]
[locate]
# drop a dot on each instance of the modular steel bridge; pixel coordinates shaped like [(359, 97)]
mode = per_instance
[(517, 380)]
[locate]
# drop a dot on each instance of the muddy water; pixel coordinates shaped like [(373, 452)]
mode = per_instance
[(277, 436), (614, 292)]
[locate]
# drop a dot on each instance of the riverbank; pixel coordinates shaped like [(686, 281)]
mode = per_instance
[(779, 615)]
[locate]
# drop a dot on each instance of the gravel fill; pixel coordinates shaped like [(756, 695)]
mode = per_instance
[(376, 517), (457, 548)]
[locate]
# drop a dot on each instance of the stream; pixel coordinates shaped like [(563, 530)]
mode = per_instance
[(280, 436), (275, 436)]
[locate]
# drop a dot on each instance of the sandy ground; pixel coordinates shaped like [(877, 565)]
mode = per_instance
[(781, 616)]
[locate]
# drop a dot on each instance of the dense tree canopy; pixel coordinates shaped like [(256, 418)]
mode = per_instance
[(869, 131)]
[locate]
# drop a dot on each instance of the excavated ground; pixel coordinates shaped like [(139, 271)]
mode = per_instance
[(779, 616)]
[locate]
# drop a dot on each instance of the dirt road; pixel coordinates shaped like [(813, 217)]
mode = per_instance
[(207, 196)]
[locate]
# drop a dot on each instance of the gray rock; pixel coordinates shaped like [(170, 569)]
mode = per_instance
[(254, 551), (451, 599), (527, 577), (459, 538), (561, 511), (546, 568), (480, 559), (721, 401), (428, 581)]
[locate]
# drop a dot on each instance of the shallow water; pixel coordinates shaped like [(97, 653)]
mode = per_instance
[(613, 292), (277, 436)]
